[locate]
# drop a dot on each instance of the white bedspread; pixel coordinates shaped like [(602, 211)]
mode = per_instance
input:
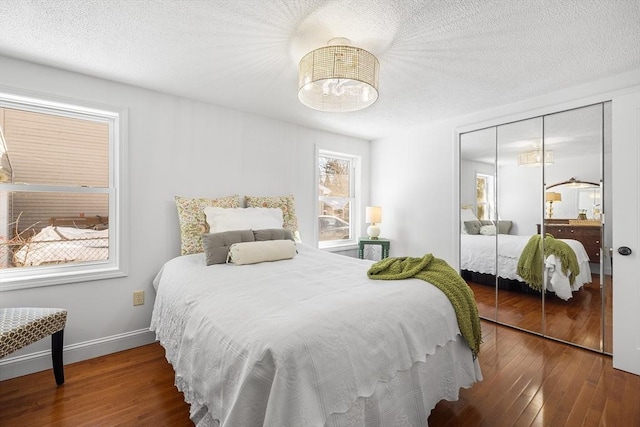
[(477, 253), (309, 341)]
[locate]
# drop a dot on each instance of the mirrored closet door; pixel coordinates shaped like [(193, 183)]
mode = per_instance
[(534, 240), (520, 206), (478, 207)]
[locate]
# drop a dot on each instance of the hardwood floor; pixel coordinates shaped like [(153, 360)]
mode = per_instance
[(528, 381), (531, 381), (576, 320), (129, 388)]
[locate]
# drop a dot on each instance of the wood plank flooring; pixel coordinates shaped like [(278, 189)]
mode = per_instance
[(129, 388), (577, 320), (528, 381)]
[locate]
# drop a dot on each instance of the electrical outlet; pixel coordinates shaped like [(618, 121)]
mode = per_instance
[(138, 297)]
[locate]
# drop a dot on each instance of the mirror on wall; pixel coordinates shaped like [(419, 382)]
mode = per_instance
[(533, 197)]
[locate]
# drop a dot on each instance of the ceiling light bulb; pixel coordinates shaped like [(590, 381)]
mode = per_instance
[(365, 94), (325, 88)]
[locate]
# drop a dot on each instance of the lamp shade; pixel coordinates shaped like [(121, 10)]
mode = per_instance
[(551, 196), (373, 214), (338, 78), (534, 158)]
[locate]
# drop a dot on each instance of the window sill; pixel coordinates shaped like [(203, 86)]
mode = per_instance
[(25, 280), (340, 248)]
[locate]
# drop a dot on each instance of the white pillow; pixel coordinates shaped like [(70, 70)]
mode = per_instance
[(466, 214), (229, 219), (255, 252), (488, 230)]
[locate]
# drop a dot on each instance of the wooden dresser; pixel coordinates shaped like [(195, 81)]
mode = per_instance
[(589, 235)]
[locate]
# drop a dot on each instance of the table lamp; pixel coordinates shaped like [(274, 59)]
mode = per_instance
[(373, 216), (551, 197)]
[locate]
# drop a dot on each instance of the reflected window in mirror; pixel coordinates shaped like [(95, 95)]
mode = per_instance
[(485, 196), (590, 203)]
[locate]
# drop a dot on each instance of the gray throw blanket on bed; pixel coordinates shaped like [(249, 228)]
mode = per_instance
[(442, 276)]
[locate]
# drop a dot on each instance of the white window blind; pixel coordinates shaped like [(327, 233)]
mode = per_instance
[(55, 150)]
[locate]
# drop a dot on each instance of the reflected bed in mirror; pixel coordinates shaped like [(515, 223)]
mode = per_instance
[(478, 255)]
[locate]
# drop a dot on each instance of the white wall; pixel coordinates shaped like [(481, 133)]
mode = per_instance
[(415, 172), (177, 146), (520, 198), (413, 180)]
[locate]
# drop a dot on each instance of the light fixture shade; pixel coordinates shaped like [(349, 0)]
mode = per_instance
[(373, 214), (552, 196), (338, 78), (534, 158)]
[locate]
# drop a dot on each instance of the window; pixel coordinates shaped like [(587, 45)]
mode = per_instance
[(60, 201), (484, 196), (336, 199)]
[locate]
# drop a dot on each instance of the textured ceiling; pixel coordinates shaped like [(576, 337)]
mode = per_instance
[(569, 134), (438, 58)]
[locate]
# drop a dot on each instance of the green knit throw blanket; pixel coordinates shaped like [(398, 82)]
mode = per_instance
[(531, 262), (442, 276)]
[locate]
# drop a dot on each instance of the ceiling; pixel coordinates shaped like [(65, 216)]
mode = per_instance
[(438, 58)]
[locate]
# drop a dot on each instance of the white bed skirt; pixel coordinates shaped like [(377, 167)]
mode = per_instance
[(406, 400)]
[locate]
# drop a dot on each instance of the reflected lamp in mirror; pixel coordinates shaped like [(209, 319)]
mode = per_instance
[(534, 158), (550, 197), (373, 216)]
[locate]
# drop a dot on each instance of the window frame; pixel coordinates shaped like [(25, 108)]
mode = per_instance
[(489, 196), (354, 199), (117, 264)]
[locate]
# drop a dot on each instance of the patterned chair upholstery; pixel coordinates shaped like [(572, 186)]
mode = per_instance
[(20, 327)]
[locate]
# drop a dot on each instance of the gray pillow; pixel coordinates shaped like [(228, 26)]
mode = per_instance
[(472, 227), (216, 245), (272, 234), (504, 226)]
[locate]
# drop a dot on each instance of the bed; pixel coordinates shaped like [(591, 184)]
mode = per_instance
[(478, 255), (308, 340)]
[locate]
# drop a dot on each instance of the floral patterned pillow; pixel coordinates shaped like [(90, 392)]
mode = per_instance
[(286, 203), (192, 220)]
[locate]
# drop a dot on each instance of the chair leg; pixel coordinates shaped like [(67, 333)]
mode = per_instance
[(57, 341)]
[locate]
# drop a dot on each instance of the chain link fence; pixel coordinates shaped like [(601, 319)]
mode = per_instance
[(44, 250)]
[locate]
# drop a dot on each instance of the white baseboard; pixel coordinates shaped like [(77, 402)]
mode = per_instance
[(11, 367)]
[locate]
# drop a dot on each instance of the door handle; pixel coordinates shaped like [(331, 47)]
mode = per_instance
[(624, 250)]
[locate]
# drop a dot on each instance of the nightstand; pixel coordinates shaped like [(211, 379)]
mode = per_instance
[(384, 244)]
